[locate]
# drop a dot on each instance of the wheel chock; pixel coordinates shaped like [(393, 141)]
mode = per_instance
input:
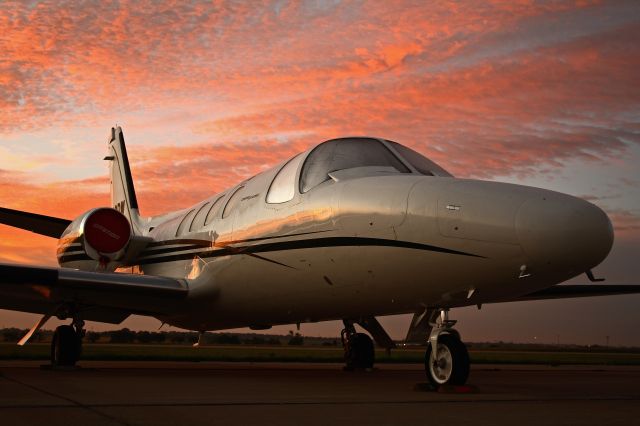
[(458, 389), (453, 389)]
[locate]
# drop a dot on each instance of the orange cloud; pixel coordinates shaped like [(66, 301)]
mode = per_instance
[(492, 118), (216, 92), (61, 63)]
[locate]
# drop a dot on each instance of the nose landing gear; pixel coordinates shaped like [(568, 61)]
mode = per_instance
[(446, 360)]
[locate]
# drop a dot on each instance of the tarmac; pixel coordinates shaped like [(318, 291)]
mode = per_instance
[(181, 393)]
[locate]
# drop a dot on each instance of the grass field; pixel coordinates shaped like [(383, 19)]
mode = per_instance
[(140, 352)]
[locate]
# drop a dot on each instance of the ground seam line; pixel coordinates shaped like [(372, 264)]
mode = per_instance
[(89, 408)]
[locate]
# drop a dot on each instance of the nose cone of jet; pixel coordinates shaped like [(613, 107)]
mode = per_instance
[(560, 230)]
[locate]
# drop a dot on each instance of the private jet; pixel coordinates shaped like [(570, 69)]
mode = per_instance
[(352, 229)]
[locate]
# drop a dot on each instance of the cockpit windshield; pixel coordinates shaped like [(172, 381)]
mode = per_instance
[(419, 162), (352, 153), (340, 154)]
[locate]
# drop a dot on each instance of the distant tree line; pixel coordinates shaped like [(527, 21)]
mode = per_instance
[(127, 336)]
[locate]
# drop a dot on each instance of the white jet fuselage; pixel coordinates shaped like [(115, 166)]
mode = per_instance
[(367, 242), (350, 230)]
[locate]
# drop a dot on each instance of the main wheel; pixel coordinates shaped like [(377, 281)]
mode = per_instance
[(359, 352), (450, 364), (65, 346)]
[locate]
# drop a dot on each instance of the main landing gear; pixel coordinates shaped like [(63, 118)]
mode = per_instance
[(446, 360), (66, 345), (359, 353)]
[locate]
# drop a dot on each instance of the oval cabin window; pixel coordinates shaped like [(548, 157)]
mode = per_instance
[(234, 200), (213, 210), (185, 222), (198, 220)]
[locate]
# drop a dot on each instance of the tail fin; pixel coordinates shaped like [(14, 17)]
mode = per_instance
[(123, 194)]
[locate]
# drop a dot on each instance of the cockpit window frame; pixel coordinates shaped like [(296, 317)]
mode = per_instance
[(439, 171), (381, 142)]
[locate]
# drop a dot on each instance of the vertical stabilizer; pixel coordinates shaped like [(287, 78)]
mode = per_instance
[(123, 194)]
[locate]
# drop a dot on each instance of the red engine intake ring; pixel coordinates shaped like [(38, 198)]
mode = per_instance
[(107, 231)]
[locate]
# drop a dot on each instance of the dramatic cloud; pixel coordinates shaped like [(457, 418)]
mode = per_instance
[(487, 90), (214, 92)]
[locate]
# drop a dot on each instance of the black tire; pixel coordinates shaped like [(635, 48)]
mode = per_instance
[(65, 346), (455, 368), (359, 353)]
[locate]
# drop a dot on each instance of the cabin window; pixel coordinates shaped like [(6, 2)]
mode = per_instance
[(282, 188), (340, 154), (213, 210), (234, 200), (198, 220), (419, 162), (182, 228)]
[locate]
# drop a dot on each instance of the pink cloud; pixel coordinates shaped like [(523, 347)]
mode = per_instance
[(484, 89)]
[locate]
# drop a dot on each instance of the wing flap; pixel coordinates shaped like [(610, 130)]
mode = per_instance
[(111, 296), (586, 290), (40, 224)]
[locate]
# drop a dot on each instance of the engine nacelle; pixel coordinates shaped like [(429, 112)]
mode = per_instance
[(97, 240)]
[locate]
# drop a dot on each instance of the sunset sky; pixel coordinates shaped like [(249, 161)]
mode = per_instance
[(208, 93)]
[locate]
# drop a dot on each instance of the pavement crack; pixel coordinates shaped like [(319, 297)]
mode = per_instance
[(88, 407)]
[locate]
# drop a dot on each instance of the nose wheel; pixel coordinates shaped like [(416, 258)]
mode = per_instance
[(446, 360), (449, 365)]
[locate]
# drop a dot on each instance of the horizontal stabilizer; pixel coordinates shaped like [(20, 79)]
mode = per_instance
[(40, 224), (587, 290)]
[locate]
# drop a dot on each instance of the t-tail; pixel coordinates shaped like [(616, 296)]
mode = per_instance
[(123, 194)]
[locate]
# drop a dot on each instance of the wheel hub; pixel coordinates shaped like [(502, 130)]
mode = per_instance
[(442, 365)]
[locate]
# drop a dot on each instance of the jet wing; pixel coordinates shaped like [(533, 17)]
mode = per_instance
[(40, 224), (586, 290), (106, 297)]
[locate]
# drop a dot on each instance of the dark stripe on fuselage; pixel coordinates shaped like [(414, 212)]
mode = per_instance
[(156, 248), (226, 248), (303, 244), (191, 244), (207, 243)]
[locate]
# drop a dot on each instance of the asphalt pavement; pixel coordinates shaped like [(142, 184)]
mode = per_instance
[(180, 393)]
